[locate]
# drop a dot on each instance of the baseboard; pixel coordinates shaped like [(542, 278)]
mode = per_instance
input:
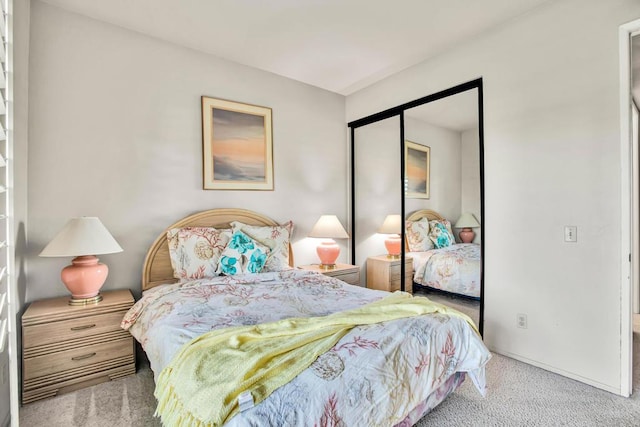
[(572, 375)]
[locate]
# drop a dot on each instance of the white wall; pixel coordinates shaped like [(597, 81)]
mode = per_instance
[(9, 396), (115, 132), (21, 28), (552, 158)]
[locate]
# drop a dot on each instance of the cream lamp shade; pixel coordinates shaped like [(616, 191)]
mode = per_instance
[(467, 221), (83, 238), (392, 225), (328, 227)]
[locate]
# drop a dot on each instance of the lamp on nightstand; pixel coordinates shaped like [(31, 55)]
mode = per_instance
[(392, 226), (83, 238), (467, 221), (328, 227)]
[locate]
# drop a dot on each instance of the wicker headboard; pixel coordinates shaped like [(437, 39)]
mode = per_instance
[(418, 215), (424, 213), (157, 264)]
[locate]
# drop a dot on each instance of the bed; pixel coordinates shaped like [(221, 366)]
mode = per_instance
[(383, 373), (454, 269)]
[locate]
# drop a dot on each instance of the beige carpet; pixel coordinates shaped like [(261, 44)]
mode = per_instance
[(468, 306), (124, 402), (519, 395)]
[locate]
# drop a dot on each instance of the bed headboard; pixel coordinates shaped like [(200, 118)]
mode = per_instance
[(157, 264), (418, 215), (424, 213)]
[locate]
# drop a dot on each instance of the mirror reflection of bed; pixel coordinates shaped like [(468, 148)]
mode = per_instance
[(449, 274)]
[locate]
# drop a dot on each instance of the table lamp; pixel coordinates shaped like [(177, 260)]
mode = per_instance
[(328, 227), (83, 238), (392, 226), (467, 221)]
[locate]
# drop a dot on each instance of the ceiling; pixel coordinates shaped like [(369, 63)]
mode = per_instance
[(338, 45)]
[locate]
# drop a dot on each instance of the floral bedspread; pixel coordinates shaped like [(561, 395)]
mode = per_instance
[(381, 374), (455, 268)]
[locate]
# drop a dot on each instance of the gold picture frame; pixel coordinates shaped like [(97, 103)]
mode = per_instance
[(237, 144), (417, 159)]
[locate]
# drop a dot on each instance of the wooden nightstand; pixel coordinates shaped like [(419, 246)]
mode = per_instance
[(383, 273), (70, 347), (345, 272)]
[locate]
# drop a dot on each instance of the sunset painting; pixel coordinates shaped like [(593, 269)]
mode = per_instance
[(416, 170), (237, 146)]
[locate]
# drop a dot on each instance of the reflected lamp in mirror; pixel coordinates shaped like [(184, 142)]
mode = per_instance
[(392, 226), (467, 221), (83, 238), (328, 227)]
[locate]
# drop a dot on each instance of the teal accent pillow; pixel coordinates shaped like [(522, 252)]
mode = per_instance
[(242, 255), (440, 233)]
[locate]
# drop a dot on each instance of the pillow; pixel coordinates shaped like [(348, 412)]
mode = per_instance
[(242, 255), (417, 233), (440, 233), (275, 237), (194, 251)]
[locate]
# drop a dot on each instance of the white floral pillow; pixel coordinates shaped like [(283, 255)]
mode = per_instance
[(194, 251), (417, 233), (242, 255), (275, 237), (440, 233)]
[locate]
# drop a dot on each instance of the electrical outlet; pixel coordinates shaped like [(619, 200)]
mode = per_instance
[(521, 321)]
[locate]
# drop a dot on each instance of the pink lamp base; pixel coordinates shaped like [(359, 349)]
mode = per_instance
[(467, 235), (84, 278), (392, 243), (328, 253)]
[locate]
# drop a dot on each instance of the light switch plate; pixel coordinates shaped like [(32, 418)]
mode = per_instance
[(570, 233)]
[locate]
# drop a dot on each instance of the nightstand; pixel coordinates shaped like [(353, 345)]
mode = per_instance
[(345, 272), (383, 273), (69, 347)]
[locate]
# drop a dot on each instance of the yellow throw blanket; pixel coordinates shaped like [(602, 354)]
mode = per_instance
[(201, 385)]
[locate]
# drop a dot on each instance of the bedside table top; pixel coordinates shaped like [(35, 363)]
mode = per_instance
[(385, 258), (53, 309), (342, 268)]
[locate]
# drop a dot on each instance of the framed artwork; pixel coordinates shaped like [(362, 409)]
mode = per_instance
[(237, 146), (416, 170)]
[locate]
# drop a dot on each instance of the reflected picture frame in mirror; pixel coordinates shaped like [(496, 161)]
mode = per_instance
[(417, 161)]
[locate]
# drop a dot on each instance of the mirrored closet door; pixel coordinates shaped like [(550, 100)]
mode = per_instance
[(448, 130), (377, 189), (417, 170)]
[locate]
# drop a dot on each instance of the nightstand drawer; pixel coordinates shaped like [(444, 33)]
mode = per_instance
[(394, 271), (67, 347), (395, 275), (65, 330), (384, 273), (75, 358), (351, 278)]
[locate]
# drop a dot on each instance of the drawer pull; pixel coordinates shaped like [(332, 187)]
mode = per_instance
[(84, 356), (81, 328)]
